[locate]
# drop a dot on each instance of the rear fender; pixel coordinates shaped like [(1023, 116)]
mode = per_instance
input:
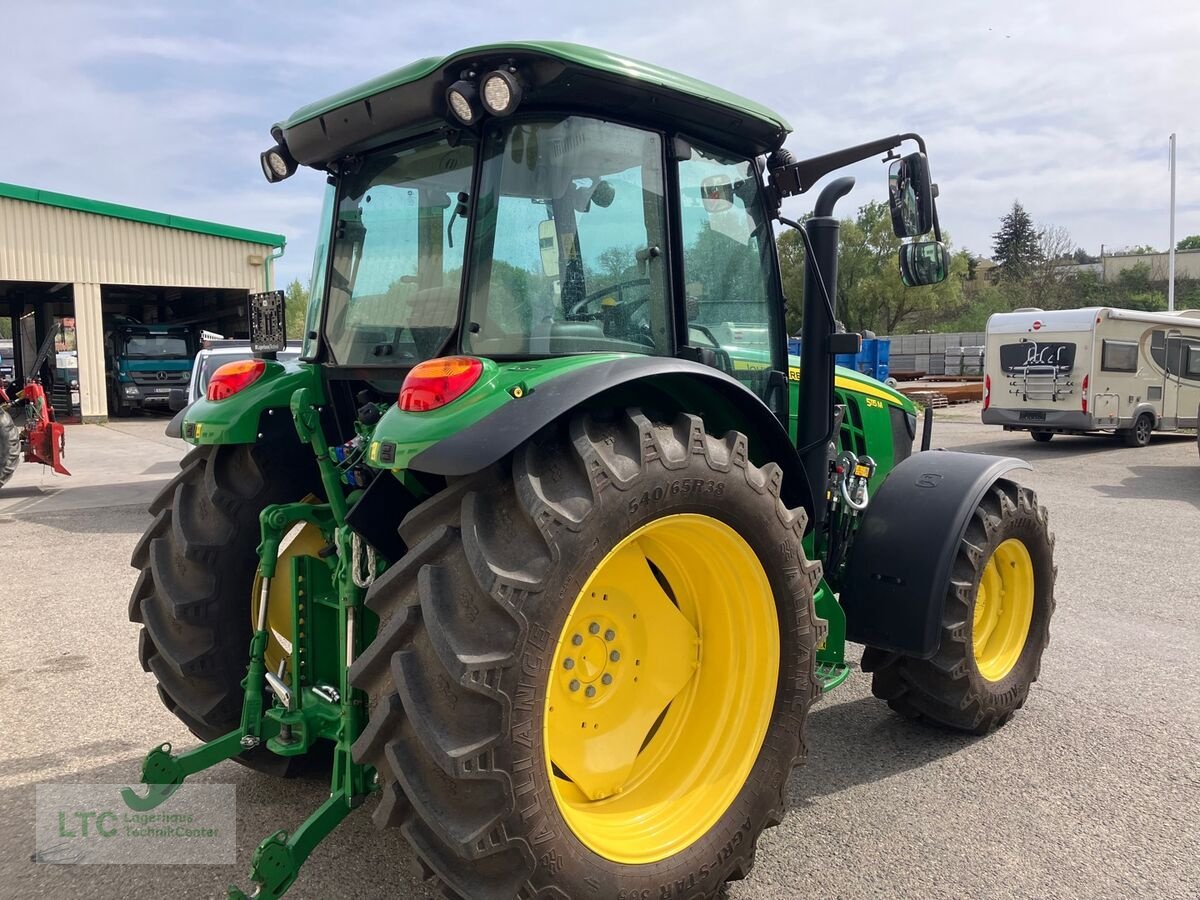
[(239, 419), (655, 382), (899, 568)]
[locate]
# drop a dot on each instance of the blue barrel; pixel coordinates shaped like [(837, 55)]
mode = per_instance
[(872, 360)]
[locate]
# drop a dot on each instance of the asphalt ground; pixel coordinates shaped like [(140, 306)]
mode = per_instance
[(1091, 791)]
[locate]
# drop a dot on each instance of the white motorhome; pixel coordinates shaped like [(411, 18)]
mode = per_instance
[(1074, 371)]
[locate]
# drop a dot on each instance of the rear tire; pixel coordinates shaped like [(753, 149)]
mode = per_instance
[(1042, 437), (950, 689), (1139, 434), (197, 563), (117, 408), (10, 446), (469, 620)]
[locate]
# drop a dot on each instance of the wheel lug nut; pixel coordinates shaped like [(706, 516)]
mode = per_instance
[(574, 685), (577, 640), (594, 628), (615, 656), (606, 678), (591, 691), (568, 663), (609, 635)]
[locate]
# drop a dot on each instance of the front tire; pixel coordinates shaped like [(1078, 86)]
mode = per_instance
[(1042, 437), (474, 670), (197, 563), (995, 625)]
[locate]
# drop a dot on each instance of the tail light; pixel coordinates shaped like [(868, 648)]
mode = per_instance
[(233, 377), (436, 382), (987, 391), (1083, 394)]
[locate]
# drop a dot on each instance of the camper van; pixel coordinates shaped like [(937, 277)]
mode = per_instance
[(1076, 371)]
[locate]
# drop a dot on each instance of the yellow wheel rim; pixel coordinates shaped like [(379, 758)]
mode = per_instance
[(661, 688), (305, 541), (1003, 610)]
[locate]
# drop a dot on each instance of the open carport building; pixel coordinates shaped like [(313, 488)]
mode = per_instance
[(73, 266)]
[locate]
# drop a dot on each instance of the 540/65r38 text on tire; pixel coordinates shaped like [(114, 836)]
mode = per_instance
[(594, 665)]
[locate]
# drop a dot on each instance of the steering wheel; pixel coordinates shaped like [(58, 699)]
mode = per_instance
[(619, 289)]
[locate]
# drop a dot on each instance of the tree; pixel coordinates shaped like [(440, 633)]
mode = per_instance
[(791, 267), (295, 307), (1191, 242), (615, 263), (1082, 257), (870, 295), (1015, 247)]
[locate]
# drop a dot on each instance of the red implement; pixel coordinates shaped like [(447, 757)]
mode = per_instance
[(45, 440)]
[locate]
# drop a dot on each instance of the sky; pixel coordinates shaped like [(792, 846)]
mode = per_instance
[(1064, 106)]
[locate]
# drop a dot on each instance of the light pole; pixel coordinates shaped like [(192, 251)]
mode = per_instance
[(1171, 246)]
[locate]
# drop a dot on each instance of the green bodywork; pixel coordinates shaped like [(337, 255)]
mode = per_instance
[(589, 57)]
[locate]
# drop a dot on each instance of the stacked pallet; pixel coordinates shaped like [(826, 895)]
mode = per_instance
[(955, 353), (927, 398)]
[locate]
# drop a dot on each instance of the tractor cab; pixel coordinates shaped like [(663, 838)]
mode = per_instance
[(515, 203)]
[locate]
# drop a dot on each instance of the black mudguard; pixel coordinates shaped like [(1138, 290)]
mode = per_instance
[(894, 592), (174, 428), (653, 382)]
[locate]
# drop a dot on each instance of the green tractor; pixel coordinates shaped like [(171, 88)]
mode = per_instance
[(545, 539)]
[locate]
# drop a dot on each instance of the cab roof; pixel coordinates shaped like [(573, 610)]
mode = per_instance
[(557, 77)]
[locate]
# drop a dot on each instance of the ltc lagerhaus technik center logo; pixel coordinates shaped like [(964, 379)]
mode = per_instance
[(91, 823)]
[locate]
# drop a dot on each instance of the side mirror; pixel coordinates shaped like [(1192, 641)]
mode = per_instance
[(925, 262), (910, 196), (178, 399), (267, 331)]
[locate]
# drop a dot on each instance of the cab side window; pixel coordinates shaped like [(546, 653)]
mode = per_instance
[(727, 262)]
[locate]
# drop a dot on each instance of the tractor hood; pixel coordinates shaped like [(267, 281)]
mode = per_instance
[(554, 75)]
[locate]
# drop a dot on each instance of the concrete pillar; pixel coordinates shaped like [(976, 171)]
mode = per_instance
[(89, 338)]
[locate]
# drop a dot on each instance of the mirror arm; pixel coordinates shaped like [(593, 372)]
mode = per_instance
[(789, 178)]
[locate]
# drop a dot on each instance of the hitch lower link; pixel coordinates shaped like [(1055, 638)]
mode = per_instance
[(302, 710)]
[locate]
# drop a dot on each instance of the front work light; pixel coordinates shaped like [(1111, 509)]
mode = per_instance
[(436, 382), (233, 377), (501, 92), (463, 100), (277, 163)]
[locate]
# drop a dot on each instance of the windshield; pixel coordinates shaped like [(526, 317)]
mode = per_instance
[(397, 255), (568, 253), (156, 346)]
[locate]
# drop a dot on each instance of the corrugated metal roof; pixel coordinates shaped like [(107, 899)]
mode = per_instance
[(40, 242), (144, 216)]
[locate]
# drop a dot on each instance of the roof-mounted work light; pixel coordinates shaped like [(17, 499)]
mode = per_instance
[(277, 163), (463, 100), (501, 92)]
